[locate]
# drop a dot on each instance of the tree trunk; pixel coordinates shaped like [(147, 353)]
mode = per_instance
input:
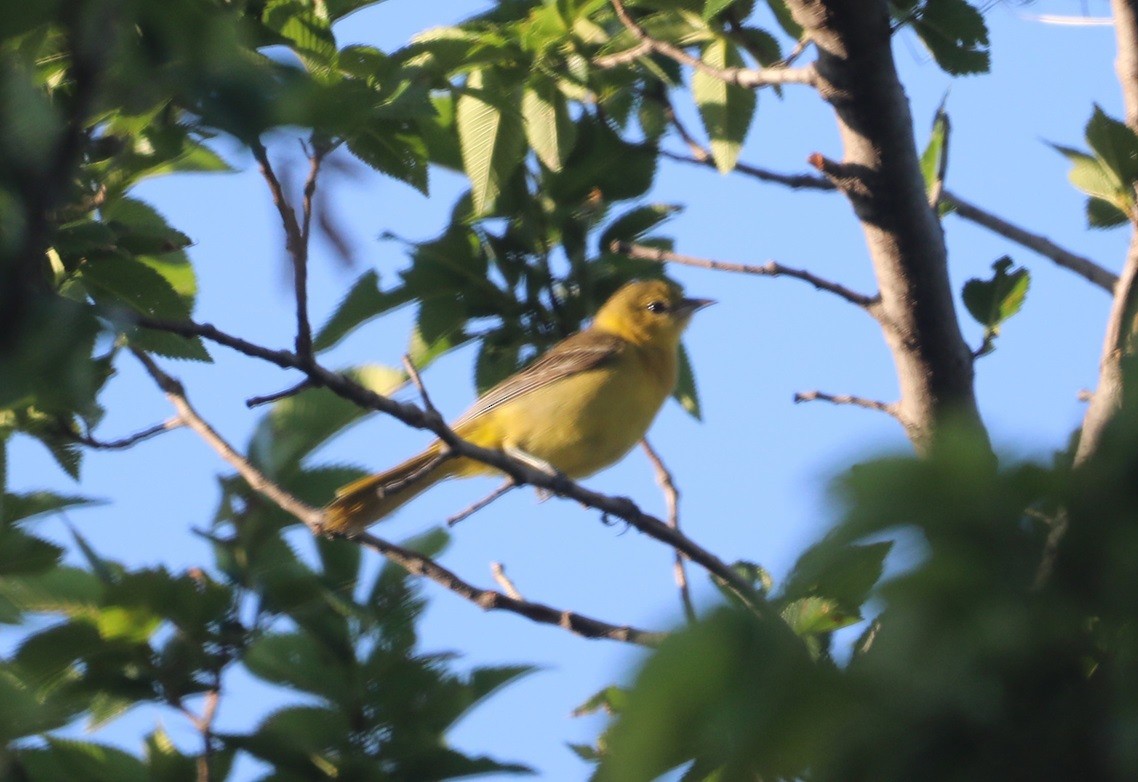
[(880, 174)]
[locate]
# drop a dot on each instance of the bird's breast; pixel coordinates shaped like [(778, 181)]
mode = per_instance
[(587, 421)]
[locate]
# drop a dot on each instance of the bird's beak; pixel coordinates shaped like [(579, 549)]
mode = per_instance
[(689, 306)]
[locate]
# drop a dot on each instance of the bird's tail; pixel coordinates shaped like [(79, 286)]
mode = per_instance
[(373, 497)]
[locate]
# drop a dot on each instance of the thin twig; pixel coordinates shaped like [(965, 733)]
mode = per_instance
[(702, 157), (256, 401), (124, 442), (174, 391), (490, 600), (889, 408), (800, 47), (769, 269), (296, 241), (672, 500), (300, 259), (413, 373), (509, 485), (499, 572), (411, 561), (617, 59), (1078, 264), (748, 78), (204, 725)]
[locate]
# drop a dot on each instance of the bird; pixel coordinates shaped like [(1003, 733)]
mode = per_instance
[(578, 408)]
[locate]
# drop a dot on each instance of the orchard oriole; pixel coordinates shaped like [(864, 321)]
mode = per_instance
[(578, 408)]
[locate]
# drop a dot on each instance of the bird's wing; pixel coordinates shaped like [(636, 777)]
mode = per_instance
[(579, 353)]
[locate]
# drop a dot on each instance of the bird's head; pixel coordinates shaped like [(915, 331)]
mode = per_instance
[(647, 312)]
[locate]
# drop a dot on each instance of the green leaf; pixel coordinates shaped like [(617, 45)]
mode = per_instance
[(440, 135), (727, 689), (391, 150), (27, 711), (438, 329), (634, 223), (956, 36), (1095, 178), (1115, 144), (167, 345), (144, 232), (991, 302), (167, 764), (116, 280), (590, 172), (934, 160), (341, 561), (585, 752), (726, 109), (23, 554), (338, 9), (785, 19), (66, 454), (491, 133), (299, 661), (362, 303), (497, 359), (98, 565), (756, 575), (713, 8), (298, 737), (1103, 214), (814, 615), (298, 424), (90, 761), (843, 573), (685, 392), (306, 28), (61, 590), (611, 700), (31, 504), (549, 128), (140, 229)]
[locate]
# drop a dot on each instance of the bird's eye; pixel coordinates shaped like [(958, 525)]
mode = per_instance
[(657, 306)]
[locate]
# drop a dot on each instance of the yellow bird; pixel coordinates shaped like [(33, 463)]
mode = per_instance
[(579, 408)]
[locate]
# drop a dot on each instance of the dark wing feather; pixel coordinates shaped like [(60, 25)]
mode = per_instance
[(579, 353)]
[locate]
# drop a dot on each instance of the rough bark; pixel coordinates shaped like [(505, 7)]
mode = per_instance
[(1120, 326), (881, 176)]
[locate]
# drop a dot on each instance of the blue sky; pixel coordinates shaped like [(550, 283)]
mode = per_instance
[(754, 474)]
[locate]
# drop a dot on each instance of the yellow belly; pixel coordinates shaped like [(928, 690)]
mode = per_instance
[(579, 425)]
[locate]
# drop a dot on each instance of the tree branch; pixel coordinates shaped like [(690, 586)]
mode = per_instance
[(672, 500), (701, 157), (1118, 340), (748, 78), (296, 237), (257, 401), (769, 269), (881, 177), (411, 561), (257, 481), (122, 442), (339, 384), (499, 573), (1078, 264), (1071, 261), (487, 599), (474, 507), (889, 408)]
